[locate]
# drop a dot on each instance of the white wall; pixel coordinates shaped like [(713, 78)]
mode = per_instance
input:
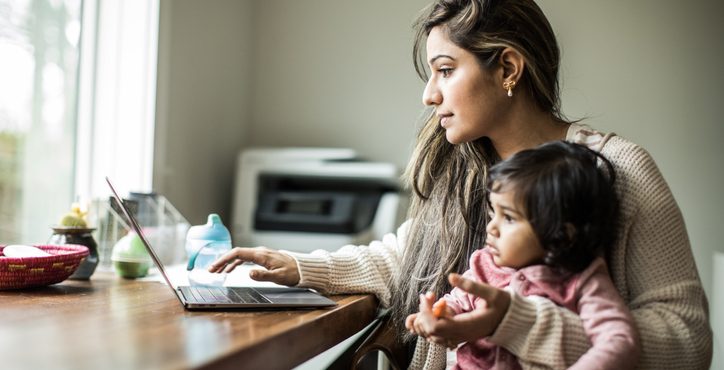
[(339, 73)]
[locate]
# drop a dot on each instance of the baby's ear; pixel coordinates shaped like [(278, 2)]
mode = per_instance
[(570, 231)]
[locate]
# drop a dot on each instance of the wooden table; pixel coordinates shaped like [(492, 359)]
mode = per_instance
[(113, 323)]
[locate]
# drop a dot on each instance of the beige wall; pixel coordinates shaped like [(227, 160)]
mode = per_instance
[(652, 73), (203, 103), (338, 73)]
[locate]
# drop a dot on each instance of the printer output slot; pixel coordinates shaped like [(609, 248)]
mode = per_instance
[(316, 204)]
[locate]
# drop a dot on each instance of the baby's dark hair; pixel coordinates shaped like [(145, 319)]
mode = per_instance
[(568, 199)]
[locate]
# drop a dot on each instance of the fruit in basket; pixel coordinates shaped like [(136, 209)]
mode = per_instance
[(74, 218)]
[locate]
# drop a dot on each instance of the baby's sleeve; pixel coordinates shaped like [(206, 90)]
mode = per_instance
[(607, 321)]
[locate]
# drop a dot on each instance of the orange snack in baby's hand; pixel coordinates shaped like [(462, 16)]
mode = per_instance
[(438, 309)]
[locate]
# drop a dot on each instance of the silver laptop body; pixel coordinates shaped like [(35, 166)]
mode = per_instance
[(215, 298)]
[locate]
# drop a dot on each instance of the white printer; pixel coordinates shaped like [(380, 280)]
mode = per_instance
[(302, 199)]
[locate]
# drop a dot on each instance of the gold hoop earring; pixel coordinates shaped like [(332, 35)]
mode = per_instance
[(509, 85)]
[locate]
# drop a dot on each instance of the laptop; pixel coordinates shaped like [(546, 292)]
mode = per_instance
[(216, 298)]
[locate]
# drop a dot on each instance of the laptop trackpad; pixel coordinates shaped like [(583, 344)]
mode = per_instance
[(289, 295)]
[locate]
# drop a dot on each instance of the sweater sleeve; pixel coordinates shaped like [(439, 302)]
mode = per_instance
[(655, 267), (607, 322), (354, 268), (652, 267)]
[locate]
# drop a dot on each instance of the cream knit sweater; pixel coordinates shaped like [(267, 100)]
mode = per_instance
[(651, 265)]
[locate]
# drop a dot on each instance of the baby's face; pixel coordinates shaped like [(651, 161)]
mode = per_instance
[(510, 236)]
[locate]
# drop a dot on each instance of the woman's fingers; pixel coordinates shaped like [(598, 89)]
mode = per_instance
[(278, 276), (449, 332), (439, 324), (497, 300), (478, 289), (240, 254), (281, 268), (478, 323), (231, 266)]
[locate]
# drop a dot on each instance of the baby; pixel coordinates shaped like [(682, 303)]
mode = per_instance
[(553, 215)]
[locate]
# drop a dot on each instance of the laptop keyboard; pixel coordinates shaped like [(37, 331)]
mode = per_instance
[(223, 295), (248, 296)]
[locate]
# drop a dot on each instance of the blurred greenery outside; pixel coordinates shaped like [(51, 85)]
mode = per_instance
[(39, 56), (9, 182)]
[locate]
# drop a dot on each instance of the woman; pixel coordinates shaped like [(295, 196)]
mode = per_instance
[(493, 87)]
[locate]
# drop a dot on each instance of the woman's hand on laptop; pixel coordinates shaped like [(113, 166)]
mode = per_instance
[(281, 268)]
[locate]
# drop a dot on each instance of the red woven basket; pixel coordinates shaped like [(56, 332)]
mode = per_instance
[(27, 272)]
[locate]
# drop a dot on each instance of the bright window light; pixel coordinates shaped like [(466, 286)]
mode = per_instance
[(77, 102)]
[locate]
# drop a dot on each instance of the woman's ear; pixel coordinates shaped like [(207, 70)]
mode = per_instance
[(512, 64)]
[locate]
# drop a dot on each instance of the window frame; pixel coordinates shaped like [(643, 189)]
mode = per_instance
[(116, 96)]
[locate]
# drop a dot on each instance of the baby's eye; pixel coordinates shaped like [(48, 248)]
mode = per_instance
[(508, 218)]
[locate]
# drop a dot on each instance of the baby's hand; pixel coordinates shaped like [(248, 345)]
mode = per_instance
[(410, 323), (440, 309), (420, 323)]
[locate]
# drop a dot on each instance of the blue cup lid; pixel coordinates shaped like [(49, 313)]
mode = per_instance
[(213, 230)]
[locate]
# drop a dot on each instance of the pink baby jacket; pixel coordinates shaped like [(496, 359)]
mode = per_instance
[(591, 294)]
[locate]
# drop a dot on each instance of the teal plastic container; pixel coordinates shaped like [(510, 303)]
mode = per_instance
[(204, 245)]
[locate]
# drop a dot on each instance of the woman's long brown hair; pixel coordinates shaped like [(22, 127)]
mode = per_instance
[(448, 209)]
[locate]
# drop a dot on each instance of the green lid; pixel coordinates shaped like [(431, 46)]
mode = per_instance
[(130, 249)]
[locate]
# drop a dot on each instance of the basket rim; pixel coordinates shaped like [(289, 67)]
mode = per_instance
[(68, 250)]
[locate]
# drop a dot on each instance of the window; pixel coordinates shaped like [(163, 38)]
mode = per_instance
[(117, 102), (39, 44), (77, 102)]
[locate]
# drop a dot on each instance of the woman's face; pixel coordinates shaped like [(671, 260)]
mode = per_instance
[(465, 95), (510, 236)]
